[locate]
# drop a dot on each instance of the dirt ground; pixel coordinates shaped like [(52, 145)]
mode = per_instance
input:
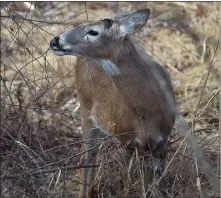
[(40, 119)]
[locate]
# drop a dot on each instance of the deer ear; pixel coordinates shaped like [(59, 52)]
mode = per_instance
[(133, 22)]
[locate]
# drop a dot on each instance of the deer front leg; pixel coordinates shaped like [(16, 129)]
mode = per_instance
[(86, 173), (91, 134), (158, 149)]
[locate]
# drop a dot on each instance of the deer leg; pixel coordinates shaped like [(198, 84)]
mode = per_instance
[(158, 147), (91, 138), (85, 161)]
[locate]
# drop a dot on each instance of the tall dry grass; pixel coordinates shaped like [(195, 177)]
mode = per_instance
[(40, 121)]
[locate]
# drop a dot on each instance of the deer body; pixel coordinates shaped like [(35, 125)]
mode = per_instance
[(108, 107), (119, 84)]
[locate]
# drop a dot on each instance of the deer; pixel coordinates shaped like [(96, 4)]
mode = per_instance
[(118, 82)]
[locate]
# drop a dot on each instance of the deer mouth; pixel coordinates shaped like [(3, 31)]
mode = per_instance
[(60, 51)]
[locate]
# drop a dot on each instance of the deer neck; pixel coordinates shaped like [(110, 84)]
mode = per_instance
[(133, 77), (130, 59)]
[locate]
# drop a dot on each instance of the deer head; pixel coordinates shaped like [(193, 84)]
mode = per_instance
[(99, 38)]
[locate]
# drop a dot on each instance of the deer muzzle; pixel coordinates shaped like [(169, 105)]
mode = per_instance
[(58, 47)]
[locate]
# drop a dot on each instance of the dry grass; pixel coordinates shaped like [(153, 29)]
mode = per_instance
[(40, 121)]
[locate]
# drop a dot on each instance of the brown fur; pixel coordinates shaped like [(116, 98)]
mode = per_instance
[(98, 96), (129, 105), (127, 93)]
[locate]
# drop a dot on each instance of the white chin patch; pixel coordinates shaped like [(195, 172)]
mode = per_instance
[(59, 53), (109, 67)]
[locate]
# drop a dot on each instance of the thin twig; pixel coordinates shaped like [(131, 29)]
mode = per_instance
[(198, 183), (209, 101), (219, 135), (44, 171), (19, 17), (85, 9), (204, 84)]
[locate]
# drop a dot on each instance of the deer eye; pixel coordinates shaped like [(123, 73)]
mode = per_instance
[(92, 33)]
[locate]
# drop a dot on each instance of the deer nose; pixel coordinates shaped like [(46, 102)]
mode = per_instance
[(54, 43)]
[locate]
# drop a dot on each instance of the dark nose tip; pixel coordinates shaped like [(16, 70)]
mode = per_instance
[(54, 43)]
